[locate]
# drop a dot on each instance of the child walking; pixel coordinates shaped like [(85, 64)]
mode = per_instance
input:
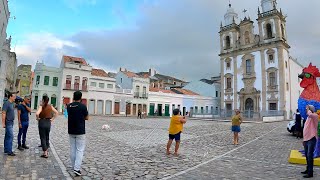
[(175, 129), (236, 121)]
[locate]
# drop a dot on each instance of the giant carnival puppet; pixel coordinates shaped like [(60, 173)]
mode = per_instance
[(310, 96)]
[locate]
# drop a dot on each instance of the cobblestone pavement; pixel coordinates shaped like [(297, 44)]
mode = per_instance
[(135, 149)]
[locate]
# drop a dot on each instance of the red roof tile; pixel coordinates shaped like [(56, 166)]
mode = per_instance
[(186, 91), (74, 59), (99, 72), (161, 90), (130, 74)]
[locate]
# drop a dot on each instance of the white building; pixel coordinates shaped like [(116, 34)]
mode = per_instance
[(101, 93), (140, 86), (4, 55), (207, 88), (47, 80), (257, 73), (75, 73), (162, 102)]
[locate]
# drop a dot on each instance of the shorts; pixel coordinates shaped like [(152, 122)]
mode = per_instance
[(175, 136), (235, 129)]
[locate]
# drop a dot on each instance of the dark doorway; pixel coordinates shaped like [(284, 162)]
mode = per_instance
[(249, 107), (159, 109)]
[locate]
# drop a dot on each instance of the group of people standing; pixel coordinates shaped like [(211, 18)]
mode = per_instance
[(8, 116), (45, 115)]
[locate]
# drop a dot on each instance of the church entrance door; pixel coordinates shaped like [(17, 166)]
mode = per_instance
[(249, 108)]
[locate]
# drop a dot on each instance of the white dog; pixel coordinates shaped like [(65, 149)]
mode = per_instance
[(106, 127)]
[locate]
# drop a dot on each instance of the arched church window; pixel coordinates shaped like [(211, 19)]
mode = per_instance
[(269, 31), (248, 66), (272, 79), (247, 37), (229, 83), (227, 42)]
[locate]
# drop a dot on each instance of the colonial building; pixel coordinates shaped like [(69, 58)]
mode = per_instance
[(4, 47), (140, 86), (24, 78), (158, 80), (207, 88), (257, 73), (11, 69), (46, 82), (75, 73), (101, 92)]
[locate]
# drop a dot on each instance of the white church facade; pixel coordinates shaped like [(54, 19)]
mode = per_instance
[(257, 72)]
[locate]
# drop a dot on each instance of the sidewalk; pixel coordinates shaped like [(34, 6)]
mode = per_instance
[(28, 164)]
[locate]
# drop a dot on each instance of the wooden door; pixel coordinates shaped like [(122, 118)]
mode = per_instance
[(116, 108), (134, 109)]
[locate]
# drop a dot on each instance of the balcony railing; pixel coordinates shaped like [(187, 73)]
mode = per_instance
[(141, 95), (75, 87)]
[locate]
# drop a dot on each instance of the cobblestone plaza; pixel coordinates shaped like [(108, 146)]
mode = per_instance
[(135, 149)]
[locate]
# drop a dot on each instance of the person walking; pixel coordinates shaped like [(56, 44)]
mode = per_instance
[(45, 115), (235, 128), (139, 114), (310, 139), (23, 119), (7, 123), (77, 115)]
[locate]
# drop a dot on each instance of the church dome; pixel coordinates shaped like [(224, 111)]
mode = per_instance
[(230, 16)]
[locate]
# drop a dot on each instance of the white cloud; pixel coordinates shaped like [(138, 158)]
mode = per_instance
[(43, 47), (177, 37)]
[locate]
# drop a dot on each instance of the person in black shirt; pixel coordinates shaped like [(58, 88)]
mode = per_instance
[(77, 115)]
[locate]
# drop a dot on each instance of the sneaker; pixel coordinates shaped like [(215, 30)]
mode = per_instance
[(20, 148), (25, 146), (78, 173), (11, 154)]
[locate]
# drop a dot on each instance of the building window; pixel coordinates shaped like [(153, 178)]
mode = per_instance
[(270, 57), (273, 106), (286, 64), (93, 84), (55, 81), (144, 90), (0, 64), (269, 31), (248, 66), (84, 83), (216, 93), (121, 80), (287, 86), (38, 80), (109, 86), (46, 80), (77, 83), (228, 42), (272, 79), (101, 85), (207, 109), (228, 83)]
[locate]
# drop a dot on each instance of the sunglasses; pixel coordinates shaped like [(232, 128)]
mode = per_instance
[(307, 75)]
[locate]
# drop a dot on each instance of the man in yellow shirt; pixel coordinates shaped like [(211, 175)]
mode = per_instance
[(175, 129)]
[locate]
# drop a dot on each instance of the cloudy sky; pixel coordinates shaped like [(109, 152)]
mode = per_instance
[(176, 37)]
